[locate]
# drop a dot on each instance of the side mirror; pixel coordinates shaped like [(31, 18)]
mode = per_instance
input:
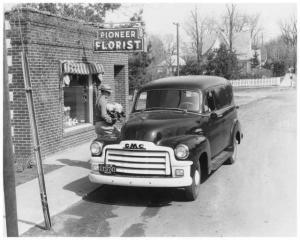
[(213, 115)]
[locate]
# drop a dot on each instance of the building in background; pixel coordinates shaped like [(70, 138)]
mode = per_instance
[(64, 72), (168, 67), (241, 45)]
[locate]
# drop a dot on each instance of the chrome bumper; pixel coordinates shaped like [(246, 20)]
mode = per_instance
[(140, 181)]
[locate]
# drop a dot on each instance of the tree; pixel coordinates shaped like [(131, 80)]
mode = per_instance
[(289, 31), (137, 69), (169, 45), (289, 37), (197, 27), (192, 67), (89, 12), (254, 60), (169, 49), (222, 62), (279, 53), (230, 23), (254, 27), (235, 22), (138, 16), (157, 49), (139, 62)]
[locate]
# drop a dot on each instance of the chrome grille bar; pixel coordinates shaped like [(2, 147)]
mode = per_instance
[(138, 162)]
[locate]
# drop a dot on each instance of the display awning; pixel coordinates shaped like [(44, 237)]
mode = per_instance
[(70, 67)]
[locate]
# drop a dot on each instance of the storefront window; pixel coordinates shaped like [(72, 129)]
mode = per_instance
[(76, 101)]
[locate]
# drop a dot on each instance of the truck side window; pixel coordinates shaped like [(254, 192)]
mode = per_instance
[(221, 98), (209, 104), (229, 94)]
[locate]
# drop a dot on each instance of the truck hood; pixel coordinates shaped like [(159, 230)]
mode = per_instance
[(155, 126)]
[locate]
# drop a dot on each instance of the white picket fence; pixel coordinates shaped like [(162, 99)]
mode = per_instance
[(258, 82)]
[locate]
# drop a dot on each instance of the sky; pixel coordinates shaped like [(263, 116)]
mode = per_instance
[(159, 17)]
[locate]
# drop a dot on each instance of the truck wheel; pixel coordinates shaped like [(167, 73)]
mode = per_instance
[(233, 157), (192, 191)]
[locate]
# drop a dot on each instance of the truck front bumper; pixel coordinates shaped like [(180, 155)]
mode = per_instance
[(183, 181), (168, 177)]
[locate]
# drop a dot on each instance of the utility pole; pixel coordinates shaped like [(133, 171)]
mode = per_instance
[(35, 135), (37, 149), (8, 159), (177, 27)]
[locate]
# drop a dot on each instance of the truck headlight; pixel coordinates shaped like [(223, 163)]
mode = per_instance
[(96, 148), (181, 151)]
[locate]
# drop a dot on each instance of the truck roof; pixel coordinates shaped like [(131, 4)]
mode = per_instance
[(185, 82)]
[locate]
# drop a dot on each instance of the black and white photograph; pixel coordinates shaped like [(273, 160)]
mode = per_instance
[(150, 119)]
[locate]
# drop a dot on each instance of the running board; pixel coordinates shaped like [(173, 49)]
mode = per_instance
[(218, 160)]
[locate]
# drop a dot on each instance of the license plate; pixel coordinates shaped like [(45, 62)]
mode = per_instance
[(107, 168)]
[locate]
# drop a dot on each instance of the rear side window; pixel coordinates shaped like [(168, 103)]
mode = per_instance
[(229, 94), (223, 96)]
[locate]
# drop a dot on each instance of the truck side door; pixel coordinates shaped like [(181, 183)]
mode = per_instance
[(213, 124), (229, 112)]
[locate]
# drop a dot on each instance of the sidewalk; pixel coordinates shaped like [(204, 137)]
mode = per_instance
[(65, 186)]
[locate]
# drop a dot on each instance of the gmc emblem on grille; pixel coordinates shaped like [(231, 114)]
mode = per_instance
[(134, 146)]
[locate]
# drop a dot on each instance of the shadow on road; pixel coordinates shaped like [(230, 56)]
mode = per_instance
[(79, 186), (75, 163), (134, 196)]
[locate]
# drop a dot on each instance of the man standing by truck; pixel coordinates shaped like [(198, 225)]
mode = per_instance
[(104, 123)]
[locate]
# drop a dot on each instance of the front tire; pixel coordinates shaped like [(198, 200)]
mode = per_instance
[(233, 157), (192, 191)]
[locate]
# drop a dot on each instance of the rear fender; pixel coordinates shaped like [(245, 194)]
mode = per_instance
[(236, 130)]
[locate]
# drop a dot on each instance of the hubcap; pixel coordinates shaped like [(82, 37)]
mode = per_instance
[(197, 177)]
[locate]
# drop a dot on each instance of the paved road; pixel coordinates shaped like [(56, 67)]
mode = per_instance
[(254, 197)]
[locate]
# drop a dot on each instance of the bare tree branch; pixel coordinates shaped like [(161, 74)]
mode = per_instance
[(197, 27), (289, 31), (235, 22)]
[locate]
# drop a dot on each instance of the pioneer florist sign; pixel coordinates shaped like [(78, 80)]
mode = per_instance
[(120, 40)]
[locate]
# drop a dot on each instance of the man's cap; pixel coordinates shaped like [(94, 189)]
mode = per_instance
[(106, 88)]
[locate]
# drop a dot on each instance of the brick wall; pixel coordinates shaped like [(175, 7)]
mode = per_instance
[(49, 39)]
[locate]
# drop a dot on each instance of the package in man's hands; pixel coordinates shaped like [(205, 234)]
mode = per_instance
[(115, 111)]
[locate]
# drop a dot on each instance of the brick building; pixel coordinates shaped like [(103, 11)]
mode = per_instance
[(64, 73)]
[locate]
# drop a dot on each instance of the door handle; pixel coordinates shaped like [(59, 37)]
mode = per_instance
[(198, 131)]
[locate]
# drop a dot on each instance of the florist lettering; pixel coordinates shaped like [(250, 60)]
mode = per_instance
[(130, 39)]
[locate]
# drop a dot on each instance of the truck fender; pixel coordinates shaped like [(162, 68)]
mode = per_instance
[(198, 145), (236, 131), (204, 156)]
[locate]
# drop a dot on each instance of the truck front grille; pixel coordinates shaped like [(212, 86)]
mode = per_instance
[(137, 162)]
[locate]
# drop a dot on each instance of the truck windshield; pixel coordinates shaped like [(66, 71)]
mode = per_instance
[(168, 99)]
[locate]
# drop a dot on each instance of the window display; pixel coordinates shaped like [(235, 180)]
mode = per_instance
[(76, 101)]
